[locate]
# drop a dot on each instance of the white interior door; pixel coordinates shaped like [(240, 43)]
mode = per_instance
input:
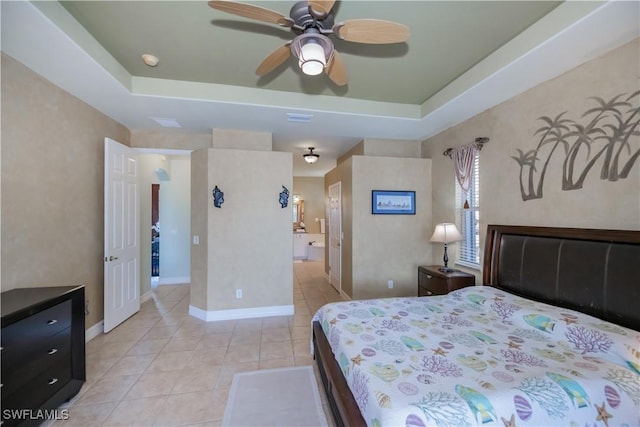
[(335, 235), (121, 234)]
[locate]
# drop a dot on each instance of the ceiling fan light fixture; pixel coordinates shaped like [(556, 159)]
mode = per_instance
[(312, 60), (313, 51), (311, 157)]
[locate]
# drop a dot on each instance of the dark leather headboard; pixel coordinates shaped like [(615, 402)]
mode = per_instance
[(593, 271)]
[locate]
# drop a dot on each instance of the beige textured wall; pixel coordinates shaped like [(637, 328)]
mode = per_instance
[(249, 240), (378, 248), (389, 247), (170, 139), (391, 148), (241, 139), (199, 215), (52, 186), (512, 126), (311, 190)]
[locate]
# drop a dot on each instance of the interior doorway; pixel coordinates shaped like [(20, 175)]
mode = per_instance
[(155, 231)]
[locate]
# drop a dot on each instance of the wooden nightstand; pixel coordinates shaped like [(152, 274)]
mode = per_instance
[(432, 281)]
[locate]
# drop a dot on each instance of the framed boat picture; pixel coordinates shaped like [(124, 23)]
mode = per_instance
[(393, 202)]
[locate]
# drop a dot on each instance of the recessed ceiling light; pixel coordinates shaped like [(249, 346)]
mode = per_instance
[(150, 60)]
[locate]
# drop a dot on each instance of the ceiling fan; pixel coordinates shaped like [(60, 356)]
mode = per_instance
[(312, 21)]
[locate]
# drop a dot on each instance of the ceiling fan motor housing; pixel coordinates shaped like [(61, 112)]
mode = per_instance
[(304, 20)]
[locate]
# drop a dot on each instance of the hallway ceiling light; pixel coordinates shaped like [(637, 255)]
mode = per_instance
[(311, 157)]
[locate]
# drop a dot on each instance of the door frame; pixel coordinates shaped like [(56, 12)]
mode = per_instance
[(335, 235)]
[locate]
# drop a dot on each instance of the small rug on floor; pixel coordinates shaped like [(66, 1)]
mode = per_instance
[(275, 397)]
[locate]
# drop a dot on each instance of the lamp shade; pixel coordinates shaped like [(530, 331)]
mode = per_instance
[(445, 233)]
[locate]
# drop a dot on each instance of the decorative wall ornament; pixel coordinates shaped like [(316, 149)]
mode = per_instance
[(284, 197), (611, 137), (218, 197), (463, 158)]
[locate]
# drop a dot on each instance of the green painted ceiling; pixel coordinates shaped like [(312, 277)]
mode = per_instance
[(199, 44)]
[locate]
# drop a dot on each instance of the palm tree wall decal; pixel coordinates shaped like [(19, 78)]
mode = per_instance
[(612, 136)]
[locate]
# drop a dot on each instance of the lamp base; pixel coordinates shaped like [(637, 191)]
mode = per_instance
[(446, 269)]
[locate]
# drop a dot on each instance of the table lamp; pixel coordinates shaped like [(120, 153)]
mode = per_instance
[(446, 233)]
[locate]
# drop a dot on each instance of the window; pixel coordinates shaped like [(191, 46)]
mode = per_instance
[(468, 220)]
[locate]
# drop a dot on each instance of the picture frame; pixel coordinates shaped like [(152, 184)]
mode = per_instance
[(387, 202)]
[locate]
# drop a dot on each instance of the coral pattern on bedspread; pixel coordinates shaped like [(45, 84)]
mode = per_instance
[(482, 356)]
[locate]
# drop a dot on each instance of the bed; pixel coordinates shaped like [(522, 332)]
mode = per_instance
[(499, 354)]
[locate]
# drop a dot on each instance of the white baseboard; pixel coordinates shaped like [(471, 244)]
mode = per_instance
[(174, 280), (94, 331), (241, 313), (146, 296)]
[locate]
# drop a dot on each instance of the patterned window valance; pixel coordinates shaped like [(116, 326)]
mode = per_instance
[(463, 158)]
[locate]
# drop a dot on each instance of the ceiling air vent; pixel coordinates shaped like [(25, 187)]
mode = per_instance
[(166, 123), (299, 118)]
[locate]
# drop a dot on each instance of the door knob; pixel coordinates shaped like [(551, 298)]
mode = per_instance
[(111, 258)]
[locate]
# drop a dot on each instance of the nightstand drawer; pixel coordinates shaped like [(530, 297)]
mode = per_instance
[(432, 281)]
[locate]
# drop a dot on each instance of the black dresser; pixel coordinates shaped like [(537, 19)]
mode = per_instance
[(43, 352)]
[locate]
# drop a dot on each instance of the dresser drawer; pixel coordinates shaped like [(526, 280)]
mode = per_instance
[(40, 388), (38, 327), (20, 368)]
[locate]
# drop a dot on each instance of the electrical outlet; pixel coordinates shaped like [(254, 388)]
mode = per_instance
[(390, 284), (196, 240), (238, 293), (86, 308)]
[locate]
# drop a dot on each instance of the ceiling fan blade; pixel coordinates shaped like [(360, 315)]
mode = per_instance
[(336, 70), (372, 31), (321, 8), (272, 61), (250, 11)]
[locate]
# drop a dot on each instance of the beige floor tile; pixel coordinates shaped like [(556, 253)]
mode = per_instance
[(243, 353), (148, 347), (182, 343), (136, 412), (276, 350), (219, 327), (285, 362), (245, 337), (301, 348), (190, 380), (301, 332), (170, 361), (130, 365), (275, 322), (276, 334), (153, 384), (248, 325), (189, 408), (204, 358), (214, 341), (161, 331), (114, 349), (96, 368), (230, 369), (108, 389), (87, 415), (124, 332)]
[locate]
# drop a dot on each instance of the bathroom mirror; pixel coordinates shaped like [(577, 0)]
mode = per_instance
[(298, 213)]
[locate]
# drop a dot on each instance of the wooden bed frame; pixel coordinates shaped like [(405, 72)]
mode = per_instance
[(596, 272)]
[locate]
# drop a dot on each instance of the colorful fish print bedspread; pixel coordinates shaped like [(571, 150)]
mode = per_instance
[(481, 356)]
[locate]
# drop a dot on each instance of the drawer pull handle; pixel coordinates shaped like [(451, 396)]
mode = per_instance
[(52, 351), (429, 276), (52, 381), (52, 322)]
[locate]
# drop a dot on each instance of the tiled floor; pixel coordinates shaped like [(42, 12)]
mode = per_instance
[(163, 367)]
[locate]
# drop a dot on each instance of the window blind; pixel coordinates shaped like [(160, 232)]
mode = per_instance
[(468, 220)]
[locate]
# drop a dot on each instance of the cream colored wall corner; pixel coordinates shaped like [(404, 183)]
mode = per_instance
[(200, 201), (249, 240), (512, 126), (52, 186), (389, 247)]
